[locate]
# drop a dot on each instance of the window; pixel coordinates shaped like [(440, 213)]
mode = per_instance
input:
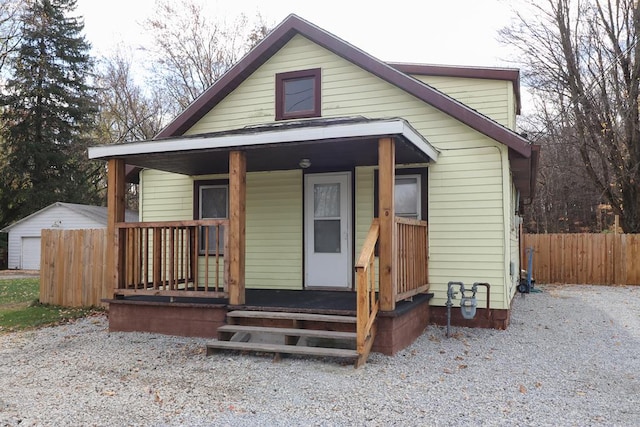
[(409, 195), (326, 218), (298, 94), (211, 201)]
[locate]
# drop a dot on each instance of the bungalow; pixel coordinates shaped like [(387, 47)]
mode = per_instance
[(317, 189)]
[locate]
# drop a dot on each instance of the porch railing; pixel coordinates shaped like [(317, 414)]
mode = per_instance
[(412, 273), (367, 297), (173, 258)]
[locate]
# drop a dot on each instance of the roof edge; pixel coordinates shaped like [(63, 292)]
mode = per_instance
[(293, 25), (6, 229), (250, 62), (253, 137), (471, 72)]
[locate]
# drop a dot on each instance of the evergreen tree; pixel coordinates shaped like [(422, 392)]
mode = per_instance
[(47, 112)]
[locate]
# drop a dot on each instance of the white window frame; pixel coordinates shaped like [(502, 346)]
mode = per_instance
[(418, 179), (201, 249)]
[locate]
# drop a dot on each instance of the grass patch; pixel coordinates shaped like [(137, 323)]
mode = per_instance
[(20, 309), (14, 291)]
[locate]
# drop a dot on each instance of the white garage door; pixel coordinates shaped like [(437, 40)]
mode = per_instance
[(30, 253)]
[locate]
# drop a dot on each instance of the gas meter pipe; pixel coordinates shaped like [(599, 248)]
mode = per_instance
[(451, 295)]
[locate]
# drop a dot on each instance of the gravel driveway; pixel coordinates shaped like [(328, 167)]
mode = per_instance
[(570, 357)]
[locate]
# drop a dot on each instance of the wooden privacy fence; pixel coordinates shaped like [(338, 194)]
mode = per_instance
[(599, 259), (72, 267)]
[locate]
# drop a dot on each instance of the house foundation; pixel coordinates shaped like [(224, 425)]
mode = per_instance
[(497, 319), (396, 330), (400, 328), (169, 318)]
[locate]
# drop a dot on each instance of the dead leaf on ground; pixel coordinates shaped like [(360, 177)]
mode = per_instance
[(523, 389)]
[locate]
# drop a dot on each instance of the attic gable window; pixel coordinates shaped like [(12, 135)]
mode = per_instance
[(298, 94)]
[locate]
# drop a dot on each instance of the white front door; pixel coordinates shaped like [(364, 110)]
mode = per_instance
[(328, 232)]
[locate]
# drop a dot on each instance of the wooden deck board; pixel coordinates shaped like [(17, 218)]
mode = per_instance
[(281, 348), (291, 316), (289, 331)]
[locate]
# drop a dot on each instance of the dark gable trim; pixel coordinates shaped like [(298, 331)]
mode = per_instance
[(229, 81), (509, 74), (293, 25)]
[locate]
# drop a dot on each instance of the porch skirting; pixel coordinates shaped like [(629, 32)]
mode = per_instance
[(181, 319), (400, 328), (396, 330)]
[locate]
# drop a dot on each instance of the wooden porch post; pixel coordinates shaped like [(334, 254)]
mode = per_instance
[(237, 226), (116, 188), (386, 215)]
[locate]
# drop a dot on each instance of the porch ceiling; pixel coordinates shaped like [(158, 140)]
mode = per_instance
[(328, 143)]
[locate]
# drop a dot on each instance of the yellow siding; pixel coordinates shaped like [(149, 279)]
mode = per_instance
[(364, 205), (274, 230), (466, 232), (274, 221), (513, 107), (493, 98), (346, 91), (165, 196), (364, 208), (466, 190)]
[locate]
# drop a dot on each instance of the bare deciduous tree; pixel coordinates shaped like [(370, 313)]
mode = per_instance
[(192, 50), (129, 111), (583, 64), (10, 11)]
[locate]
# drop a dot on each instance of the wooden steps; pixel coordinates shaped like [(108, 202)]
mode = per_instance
[(288, 332), (280, 333), (282, 349), (309, 317)]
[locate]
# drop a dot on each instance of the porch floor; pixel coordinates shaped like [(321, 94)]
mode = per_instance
[(309, 301), (343, 302)]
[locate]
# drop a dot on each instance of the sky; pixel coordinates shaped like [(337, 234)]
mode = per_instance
[(451, 32)]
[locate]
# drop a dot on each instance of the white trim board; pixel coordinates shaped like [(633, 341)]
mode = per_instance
[(380, 128)]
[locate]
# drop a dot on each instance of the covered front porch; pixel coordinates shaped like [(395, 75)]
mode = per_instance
[(200, 264)]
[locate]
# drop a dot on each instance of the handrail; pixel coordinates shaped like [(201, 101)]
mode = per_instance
[(410, 221), (172, 258), (367, 298), (186, 223)]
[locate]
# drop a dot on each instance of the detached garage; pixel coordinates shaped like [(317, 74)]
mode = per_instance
[(24, 235)]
